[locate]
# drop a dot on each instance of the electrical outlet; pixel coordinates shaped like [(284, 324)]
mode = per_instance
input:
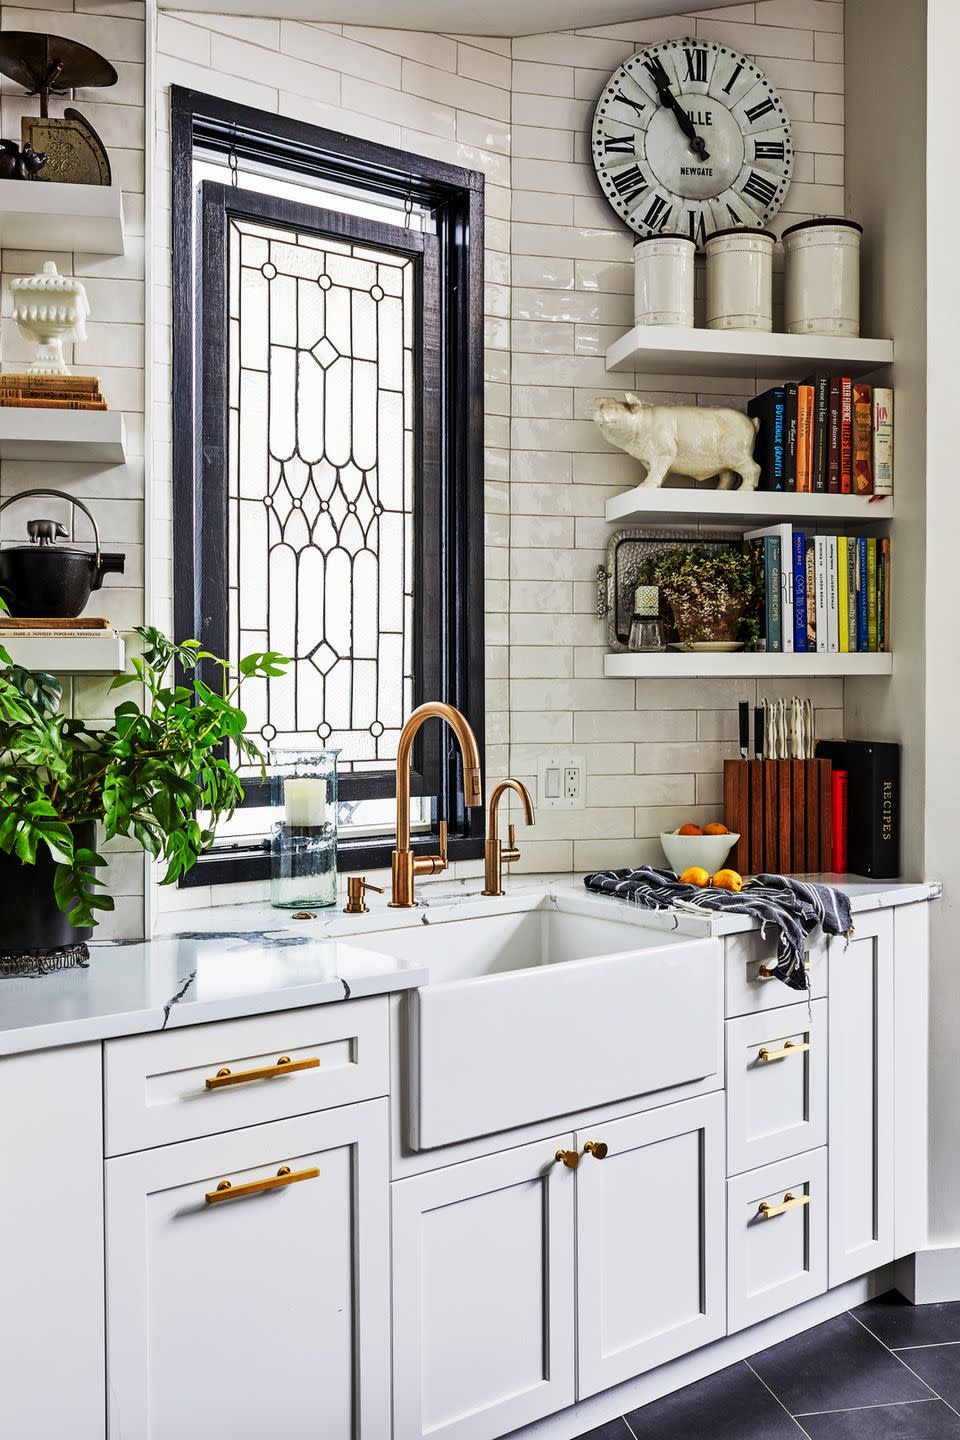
[(561, 781)]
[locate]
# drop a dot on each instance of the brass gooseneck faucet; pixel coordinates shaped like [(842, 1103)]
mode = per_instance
[(494, 851), (405, 865)]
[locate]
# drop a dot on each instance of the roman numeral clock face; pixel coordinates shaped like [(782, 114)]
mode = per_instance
[(690, 137)]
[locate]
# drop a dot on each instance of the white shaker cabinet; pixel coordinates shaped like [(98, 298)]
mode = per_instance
[(51, 1257), (483, 1257), (861, 1105), (650, 1240), (259, 1312)]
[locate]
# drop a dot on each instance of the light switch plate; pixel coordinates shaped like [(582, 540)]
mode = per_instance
[(561, 781)]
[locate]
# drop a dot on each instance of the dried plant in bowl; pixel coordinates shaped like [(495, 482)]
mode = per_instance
[(713, 595)]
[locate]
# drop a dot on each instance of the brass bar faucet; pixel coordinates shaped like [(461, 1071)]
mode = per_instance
[(494, 851), (405, 865)]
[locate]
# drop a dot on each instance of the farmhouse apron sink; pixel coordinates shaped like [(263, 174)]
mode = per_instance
[(544, 1011)]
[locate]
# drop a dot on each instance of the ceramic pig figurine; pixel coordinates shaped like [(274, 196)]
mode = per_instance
[(682, 440)]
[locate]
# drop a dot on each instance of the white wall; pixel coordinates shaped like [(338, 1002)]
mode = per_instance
[(558, 291), (114, 350)]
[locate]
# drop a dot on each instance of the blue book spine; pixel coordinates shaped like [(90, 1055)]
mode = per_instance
[(800, 591), (771, 568), (863, 628), (779, 436)]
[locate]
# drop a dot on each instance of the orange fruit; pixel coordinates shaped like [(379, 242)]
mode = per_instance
[(715, 828), (689, 830), (695, 876), (728, 880)]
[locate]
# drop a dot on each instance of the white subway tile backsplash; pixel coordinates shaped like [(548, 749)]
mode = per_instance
[(541, 80)]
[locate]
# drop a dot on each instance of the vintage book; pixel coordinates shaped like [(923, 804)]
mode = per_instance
[(863, 603), (59, 627), (882, 441), (790, 436), (885, 552), (871, 593), (833, 443), (36, 402), (873, 803), (805, 438), (839, 786), (862, 440), (22, 380), (821, 431), (846, 435), (853, 595), (768, 410), (843, 608), (800, 597), (783, 534)]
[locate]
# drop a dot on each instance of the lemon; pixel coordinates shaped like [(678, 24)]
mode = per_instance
[(695, 876), (727, 880)]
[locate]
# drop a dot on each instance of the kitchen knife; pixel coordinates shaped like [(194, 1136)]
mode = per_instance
[(744, 712), (758, 732)]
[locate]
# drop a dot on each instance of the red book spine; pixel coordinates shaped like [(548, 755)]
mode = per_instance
[(839, 783), (846, 436), (833, 438)]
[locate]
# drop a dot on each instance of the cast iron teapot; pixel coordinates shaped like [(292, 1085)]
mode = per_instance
[(45, 580)]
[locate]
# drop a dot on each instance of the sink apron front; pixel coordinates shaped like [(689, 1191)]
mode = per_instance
[(491, 1052)]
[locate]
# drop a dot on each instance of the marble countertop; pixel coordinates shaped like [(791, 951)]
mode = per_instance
[(234, 961)]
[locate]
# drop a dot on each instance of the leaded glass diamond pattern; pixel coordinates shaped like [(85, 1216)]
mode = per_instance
[(321, 452)]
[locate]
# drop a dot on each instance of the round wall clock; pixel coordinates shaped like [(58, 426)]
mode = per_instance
[(690, 137)]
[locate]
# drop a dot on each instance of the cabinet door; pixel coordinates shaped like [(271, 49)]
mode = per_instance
[(861, 1106), (650, 1240), (776, 1238), (776, 1085), (260, 1312), (51, 1256), (484, 1294)]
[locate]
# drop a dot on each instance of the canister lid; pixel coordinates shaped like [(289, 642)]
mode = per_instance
[(740, 230), (823, 221), (664, 235)]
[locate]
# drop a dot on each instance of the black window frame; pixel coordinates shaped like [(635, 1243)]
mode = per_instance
[(449, 639)]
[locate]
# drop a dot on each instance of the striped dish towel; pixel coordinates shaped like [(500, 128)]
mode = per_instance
[(795, 907)]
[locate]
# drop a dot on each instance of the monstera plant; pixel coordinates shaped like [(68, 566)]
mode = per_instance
[(147, 775)]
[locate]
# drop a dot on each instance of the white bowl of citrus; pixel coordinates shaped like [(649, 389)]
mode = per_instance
[(695, 847)]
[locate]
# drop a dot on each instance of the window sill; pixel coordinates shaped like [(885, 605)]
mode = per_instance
[(235, 864)]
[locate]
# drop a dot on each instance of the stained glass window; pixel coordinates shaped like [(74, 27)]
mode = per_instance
[(321, 494)]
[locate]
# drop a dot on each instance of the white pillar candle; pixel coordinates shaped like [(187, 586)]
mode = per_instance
[(305, 802)]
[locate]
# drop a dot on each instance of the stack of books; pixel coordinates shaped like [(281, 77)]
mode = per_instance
[(823, 592), (52, 392), (827, 435)]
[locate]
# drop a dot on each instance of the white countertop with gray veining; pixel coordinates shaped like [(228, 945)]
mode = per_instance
[(233, 961)]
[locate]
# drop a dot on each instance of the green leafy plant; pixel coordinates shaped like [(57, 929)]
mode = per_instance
[(145, 776), (714, 594)]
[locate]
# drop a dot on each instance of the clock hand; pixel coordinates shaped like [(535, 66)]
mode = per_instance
[(697, 144)]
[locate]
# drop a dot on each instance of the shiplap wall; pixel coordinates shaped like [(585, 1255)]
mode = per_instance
[(559, 282), (114, 350)]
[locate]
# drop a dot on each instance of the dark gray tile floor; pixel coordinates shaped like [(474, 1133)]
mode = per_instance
[(887, 1370)]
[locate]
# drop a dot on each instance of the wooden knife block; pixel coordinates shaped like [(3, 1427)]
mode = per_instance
[(782, 811)]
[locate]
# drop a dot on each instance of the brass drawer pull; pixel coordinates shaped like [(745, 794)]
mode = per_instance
[(790, 1047), (790, 1202), (284, 1066), (284, 1176), (596, 1148), (769, 972), (570, 1158)]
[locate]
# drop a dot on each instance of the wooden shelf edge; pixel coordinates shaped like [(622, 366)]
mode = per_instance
[(99, 653), (33, 215), (38, 434), (693, 351), (735, 507), (682, 664)]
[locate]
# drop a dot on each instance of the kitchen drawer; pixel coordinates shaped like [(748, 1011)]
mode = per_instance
[(156, 1090), (747, 990), (776, 1257), (776, 1089)]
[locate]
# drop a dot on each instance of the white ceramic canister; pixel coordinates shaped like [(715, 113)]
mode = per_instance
[(740, 279), (822, 277), (663, 269)]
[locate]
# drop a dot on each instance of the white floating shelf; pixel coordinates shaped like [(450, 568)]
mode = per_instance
[(743, 354), (46, 215), (742, 507), (98, 652), (38, 434), (684, 664)]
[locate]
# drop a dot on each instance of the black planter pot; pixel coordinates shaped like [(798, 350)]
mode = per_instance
[(29, 916)]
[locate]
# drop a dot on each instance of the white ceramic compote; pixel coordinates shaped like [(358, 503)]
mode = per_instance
[(50, 308)]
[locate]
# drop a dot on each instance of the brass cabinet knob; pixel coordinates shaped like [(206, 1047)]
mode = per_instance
[(570, 1158), (596, 1148)]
